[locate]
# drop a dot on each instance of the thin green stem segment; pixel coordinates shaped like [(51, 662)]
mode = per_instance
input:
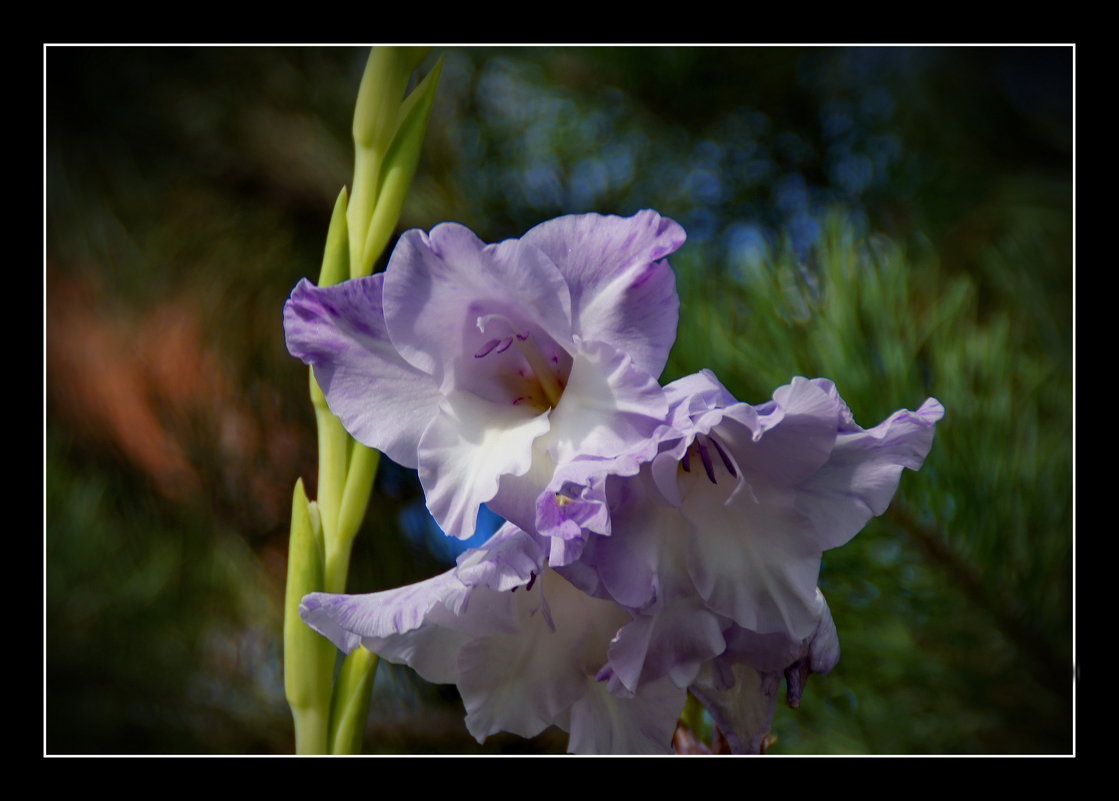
[(367, 168), (337, 565), (359, 486), (334, 456), (350, 706)]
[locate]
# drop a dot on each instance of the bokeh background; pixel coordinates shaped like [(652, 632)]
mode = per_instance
[(896, 219)]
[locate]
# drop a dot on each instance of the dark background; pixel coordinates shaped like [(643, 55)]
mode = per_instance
[(896, 219)]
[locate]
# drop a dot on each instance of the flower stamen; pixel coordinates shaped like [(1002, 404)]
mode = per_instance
[(700, 444), (723, 455), (706, 457)]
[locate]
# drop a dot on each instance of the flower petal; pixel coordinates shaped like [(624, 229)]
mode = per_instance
[(673, 639), (609, 407), (609, 421), (437, 288), (794, 436), (401, 625), (382, 400), (603, 723), (346, 619), (575, 505), (862, 473), (466, 450), (509, 559), (744, 711), (822, 655), (525, 682), (756, 560), (426, 625), (622, 292)]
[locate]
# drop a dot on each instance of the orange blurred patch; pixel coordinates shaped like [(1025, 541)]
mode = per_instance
[(152, 389)]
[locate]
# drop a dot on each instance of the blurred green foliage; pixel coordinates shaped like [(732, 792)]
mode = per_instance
[(896, 219)]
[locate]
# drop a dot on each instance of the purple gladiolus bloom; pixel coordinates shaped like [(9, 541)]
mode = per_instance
[(486, 366), (695, 571), (738, 507), (524, 647), (715, 544), (661, 540)]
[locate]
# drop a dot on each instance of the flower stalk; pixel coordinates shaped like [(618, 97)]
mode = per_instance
[(350, 705), (388, 132)]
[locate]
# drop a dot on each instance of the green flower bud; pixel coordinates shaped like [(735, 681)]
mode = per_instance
[(308, 658), (399, 167), (336, 256)]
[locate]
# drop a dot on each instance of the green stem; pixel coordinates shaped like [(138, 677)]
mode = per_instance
[(350, 704), (359, 486), (388, 131), (312, 730), (334, 446), (367, 173), (337, 564)]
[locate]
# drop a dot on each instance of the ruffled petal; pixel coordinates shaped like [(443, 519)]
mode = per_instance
[(439, 287), (382, 400), (698, 392), (622, 292), (426, 625), (466, 450), (509, 559), (423, 625), (862, 473), (609, 407), (779, 484), (792, 439), (608, 423), (575, 504), (523, 659), (346, 619)]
